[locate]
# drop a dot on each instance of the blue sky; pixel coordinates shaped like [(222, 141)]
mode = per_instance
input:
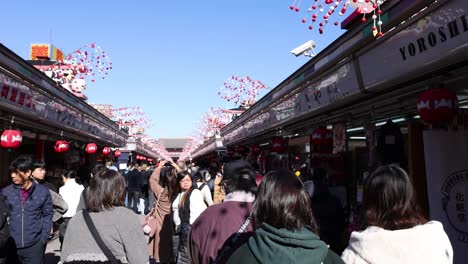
[(169, 57)]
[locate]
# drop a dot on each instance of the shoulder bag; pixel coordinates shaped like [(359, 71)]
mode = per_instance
[(149, 223)]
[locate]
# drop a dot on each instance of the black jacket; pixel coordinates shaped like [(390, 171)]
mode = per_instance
[(135, 181)]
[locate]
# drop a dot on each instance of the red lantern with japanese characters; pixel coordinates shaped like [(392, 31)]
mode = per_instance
[(255, 149), (61, 146), (241, 149), (91, 148), (322, 140), (117, 153), (11, 138), (106, 150), (438, 106), (279, 145)]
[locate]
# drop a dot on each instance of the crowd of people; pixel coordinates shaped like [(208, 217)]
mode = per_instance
[(220, 213)]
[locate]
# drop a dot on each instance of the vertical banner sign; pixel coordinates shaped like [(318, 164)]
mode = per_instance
[(446, 155), (340, 142)]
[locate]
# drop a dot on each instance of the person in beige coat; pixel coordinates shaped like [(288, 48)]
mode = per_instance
[(163, 186)]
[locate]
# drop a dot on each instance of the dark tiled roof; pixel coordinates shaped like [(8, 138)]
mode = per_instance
[(173, 143)]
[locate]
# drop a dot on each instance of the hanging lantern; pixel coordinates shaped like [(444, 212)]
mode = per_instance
[(91, 148), (438, 106), (11, 138), (278, 145), (117, 153), (61, 146), (322, 140), (106, 150), (241, 149), (255, 149)]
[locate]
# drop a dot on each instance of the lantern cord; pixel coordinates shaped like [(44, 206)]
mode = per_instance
[(12, 120)]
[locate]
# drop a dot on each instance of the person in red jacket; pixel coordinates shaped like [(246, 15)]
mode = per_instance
[(211, 240)]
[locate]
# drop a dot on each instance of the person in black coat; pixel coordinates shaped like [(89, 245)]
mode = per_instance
[(135, 183), (328, 212)]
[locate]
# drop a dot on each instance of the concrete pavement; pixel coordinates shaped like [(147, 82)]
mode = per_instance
[(52, 253)]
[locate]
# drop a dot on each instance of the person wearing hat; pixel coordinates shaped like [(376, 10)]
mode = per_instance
[(224, 227)]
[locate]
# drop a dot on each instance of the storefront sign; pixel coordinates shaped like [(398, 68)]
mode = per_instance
[(21, 99), (447, 185), (338, 85), (432, 42)]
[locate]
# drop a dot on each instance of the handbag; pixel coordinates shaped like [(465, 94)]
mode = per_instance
[(149, 223), (112, 259)]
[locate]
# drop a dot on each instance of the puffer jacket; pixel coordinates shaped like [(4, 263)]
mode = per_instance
[(29, 222)]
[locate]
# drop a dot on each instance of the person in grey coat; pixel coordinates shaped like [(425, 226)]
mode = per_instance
[(118, 227), (59, 204)]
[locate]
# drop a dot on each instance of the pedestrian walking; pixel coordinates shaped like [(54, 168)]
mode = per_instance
[(218, 223), (135, 183), (60, 205), (202, 185), (71, 192), (397, 232), (31, 212), (116, 226), (163, 186), (187, 206)]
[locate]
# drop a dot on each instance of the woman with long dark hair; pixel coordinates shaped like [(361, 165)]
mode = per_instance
[(397, 232), (285, 227), (163, 184), (187, 206), (118, 227)]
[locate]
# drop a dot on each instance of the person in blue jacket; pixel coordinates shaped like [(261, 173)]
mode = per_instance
[(31, 212)]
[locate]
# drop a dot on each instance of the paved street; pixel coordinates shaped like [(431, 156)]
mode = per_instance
[(52, 255)]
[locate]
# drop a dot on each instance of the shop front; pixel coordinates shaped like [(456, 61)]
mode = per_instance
[(55, 125), (370, 94)]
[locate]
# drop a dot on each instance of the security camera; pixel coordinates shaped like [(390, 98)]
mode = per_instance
[(304, 49)]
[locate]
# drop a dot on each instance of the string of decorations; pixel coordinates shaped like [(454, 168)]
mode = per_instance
[(241, 90), (322, 12)]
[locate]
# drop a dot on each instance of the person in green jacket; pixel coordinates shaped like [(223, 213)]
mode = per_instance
[(285, 227)]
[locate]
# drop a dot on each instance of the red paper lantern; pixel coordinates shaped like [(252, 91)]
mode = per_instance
[(322, 140), (61, 146), (91, 148), (117, 153), (106, 150), (322, 136), (278, 145), (241, 149), (11, 138), (438, 106), (255, 149)]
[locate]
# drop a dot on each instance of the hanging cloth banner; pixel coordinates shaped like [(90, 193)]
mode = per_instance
[(446, 156)]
